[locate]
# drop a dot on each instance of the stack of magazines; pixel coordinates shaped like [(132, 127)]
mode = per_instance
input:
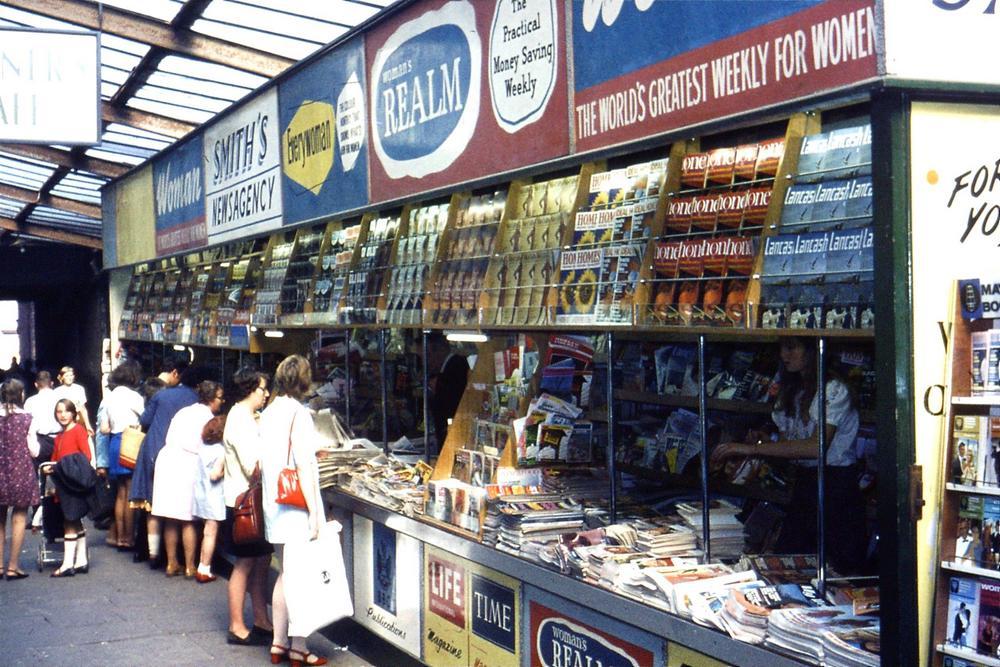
[(725, 530), (829, 635)]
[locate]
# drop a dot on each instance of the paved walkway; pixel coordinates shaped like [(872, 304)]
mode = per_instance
[(122, 613)]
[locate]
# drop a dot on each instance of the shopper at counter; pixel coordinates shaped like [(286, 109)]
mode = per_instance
[(289, 439), (241, 439), (449, 373)]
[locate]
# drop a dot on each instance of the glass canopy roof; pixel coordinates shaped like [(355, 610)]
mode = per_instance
[(155, 88)]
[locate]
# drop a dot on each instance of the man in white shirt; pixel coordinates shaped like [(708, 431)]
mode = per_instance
[(74, 392), (42, 406)]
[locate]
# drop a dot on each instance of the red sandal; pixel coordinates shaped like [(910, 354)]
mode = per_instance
[(306, 659), (279, 656)]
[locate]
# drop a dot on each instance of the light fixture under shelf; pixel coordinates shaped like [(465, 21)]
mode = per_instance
[(274, 333), (466, 337)]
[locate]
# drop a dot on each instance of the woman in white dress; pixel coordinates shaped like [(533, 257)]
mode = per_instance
[(175, 474), (287, 424), (209, 500)]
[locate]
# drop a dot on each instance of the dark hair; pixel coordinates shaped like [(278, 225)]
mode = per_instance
[(43, 377), (246, 380), (801, 386), (12, 393), (177, 362), (152, 385), (207, 390), (68, 406), (213, 430), (125, 375), (293, 377)]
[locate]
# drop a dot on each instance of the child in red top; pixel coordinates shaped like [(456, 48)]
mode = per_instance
[(72, 440)]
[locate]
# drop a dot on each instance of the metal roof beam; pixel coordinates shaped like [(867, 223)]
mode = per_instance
[(63, 158), (146, 121), (157, 33), (52, 201), (43, 232), (44, 191)]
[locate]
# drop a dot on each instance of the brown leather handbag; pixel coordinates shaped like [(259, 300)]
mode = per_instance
[(248, 513)]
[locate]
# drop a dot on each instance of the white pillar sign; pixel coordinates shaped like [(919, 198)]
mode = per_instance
[(523, 61)]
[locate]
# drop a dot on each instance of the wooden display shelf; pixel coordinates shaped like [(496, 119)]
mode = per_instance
[(692, 402), (983, 401), (970, 569), (971, 488), (968, 654)]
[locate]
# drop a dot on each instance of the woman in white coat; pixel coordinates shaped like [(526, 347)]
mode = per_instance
[(289, 440)]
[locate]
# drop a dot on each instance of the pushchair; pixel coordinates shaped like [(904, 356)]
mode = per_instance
[(50, 550)]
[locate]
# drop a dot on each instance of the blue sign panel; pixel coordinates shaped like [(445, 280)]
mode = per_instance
[(324, 152), (179, 199), (493, 612), (384, 567), (657, 31)]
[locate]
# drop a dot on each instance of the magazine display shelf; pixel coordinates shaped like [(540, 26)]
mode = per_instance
[(959, 503), (609, 604)]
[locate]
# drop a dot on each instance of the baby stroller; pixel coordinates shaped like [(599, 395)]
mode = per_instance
[(50, 551)]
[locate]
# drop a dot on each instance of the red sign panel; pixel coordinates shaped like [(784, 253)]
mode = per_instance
[(465, 89), (446, 587), (825, 47)]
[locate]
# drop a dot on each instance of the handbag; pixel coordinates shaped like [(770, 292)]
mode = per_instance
[(315, 581), (248, 513), (131, 442), (289, 488)]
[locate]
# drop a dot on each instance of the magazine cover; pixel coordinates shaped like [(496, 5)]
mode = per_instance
[(965, 448), (769, 154), (721, 166), (693, 169), (988, 636), (813, 157), (745, 167), (678, 219), (798, 206)]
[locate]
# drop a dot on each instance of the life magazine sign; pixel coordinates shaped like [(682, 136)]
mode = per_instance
[(324, 136), (460, 90), (49, 87), (179, 199), (242, 165), (955, 232), (387, 584), (643, 68)]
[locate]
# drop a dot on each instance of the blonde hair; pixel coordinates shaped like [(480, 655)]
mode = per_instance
[(293, 377)]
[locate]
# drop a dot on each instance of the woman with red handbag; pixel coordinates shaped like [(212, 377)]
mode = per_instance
[(293, 509)]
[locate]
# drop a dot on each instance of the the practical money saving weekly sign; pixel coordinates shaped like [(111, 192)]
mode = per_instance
[(179, 199)]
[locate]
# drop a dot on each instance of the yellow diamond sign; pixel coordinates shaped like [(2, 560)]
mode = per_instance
[(308, 145)]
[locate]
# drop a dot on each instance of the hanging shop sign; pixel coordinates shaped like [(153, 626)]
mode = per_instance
[(324, 157), (955, 210), (134, 218), (431, 125), (979, 298), (387, 597), (563, 633), (681, 69), (243, 171), (179, 199), (912, 26), (42, 75)]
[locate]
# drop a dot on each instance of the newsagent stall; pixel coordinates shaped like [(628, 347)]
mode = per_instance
[(572, 309)]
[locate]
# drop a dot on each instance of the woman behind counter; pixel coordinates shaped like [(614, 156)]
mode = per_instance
[(287, 424), (796, 416)]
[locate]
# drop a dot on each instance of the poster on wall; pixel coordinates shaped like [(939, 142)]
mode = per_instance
[(324, 151), (471, 613), (387, 595), (955, 232), (561, 632), (179, 199), (460, 90), (687, 63), (243, 171), (134, 233)]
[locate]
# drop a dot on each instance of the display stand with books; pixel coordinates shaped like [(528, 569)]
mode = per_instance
[(967, 601)]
